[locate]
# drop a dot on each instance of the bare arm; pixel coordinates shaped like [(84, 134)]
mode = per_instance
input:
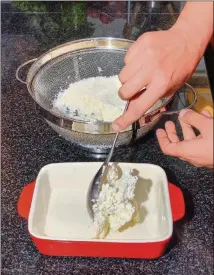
[(197, 20)]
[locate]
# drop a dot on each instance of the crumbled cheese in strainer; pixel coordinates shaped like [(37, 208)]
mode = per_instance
[(94, 98)]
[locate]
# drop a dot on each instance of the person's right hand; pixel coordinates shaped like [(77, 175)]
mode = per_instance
[(162, 61)]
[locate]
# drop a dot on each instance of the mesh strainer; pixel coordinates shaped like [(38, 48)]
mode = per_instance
[(55, 70)]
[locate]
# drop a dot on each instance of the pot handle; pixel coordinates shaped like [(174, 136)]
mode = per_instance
[(195, 97), (25, 199), (177, 202), (20, 67)]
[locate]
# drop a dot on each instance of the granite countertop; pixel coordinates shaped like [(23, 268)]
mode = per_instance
[(28, 144)]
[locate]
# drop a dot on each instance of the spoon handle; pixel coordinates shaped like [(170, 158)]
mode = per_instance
[(114, 142)]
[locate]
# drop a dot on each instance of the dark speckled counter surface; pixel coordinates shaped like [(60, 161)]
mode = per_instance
[(28, 144)]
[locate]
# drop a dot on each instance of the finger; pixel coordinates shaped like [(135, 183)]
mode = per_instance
[(135, 84), (139, 106), (169, 148), (171, 131), (188, 132), (206, 113), (193, 118), (162, 138), (130, 69), (185, 149), (134, 50)]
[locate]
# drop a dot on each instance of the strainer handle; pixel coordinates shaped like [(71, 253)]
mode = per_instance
[(188, 107), (20, 67)]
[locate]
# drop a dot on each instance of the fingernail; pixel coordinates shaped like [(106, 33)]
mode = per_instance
[(115, 127), (183, 112)]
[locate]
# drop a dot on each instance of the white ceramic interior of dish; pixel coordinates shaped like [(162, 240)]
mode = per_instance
[(58, 210)]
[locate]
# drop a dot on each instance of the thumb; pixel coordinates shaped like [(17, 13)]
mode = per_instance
[(176, 149), (193, 118)]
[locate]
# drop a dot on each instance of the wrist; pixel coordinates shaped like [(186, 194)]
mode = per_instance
[(196, 21), (191, 36)]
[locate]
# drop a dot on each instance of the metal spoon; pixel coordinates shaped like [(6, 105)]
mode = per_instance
[(99, 178)]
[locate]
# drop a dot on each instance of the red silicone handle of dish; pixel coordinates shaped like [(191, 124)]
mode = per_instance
[(177, 202), (25, 200)]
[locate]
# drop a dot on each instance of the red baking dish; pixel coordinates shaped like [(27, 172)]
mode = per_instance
[(58, 224)]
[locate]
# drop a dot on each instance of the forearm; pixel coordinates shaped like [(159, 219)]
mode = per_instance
[(196, 20)]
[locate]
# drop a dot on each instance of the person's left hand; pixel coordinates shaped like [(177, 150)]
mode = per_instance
[(197, 150)]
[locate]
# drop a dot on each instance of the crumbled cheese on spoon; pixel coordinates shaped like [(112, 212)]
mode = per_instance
[(115, 206)]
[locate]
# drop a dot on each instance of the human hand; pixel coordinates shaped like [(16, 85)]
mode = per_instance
[(198, 150), (162, 61)]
